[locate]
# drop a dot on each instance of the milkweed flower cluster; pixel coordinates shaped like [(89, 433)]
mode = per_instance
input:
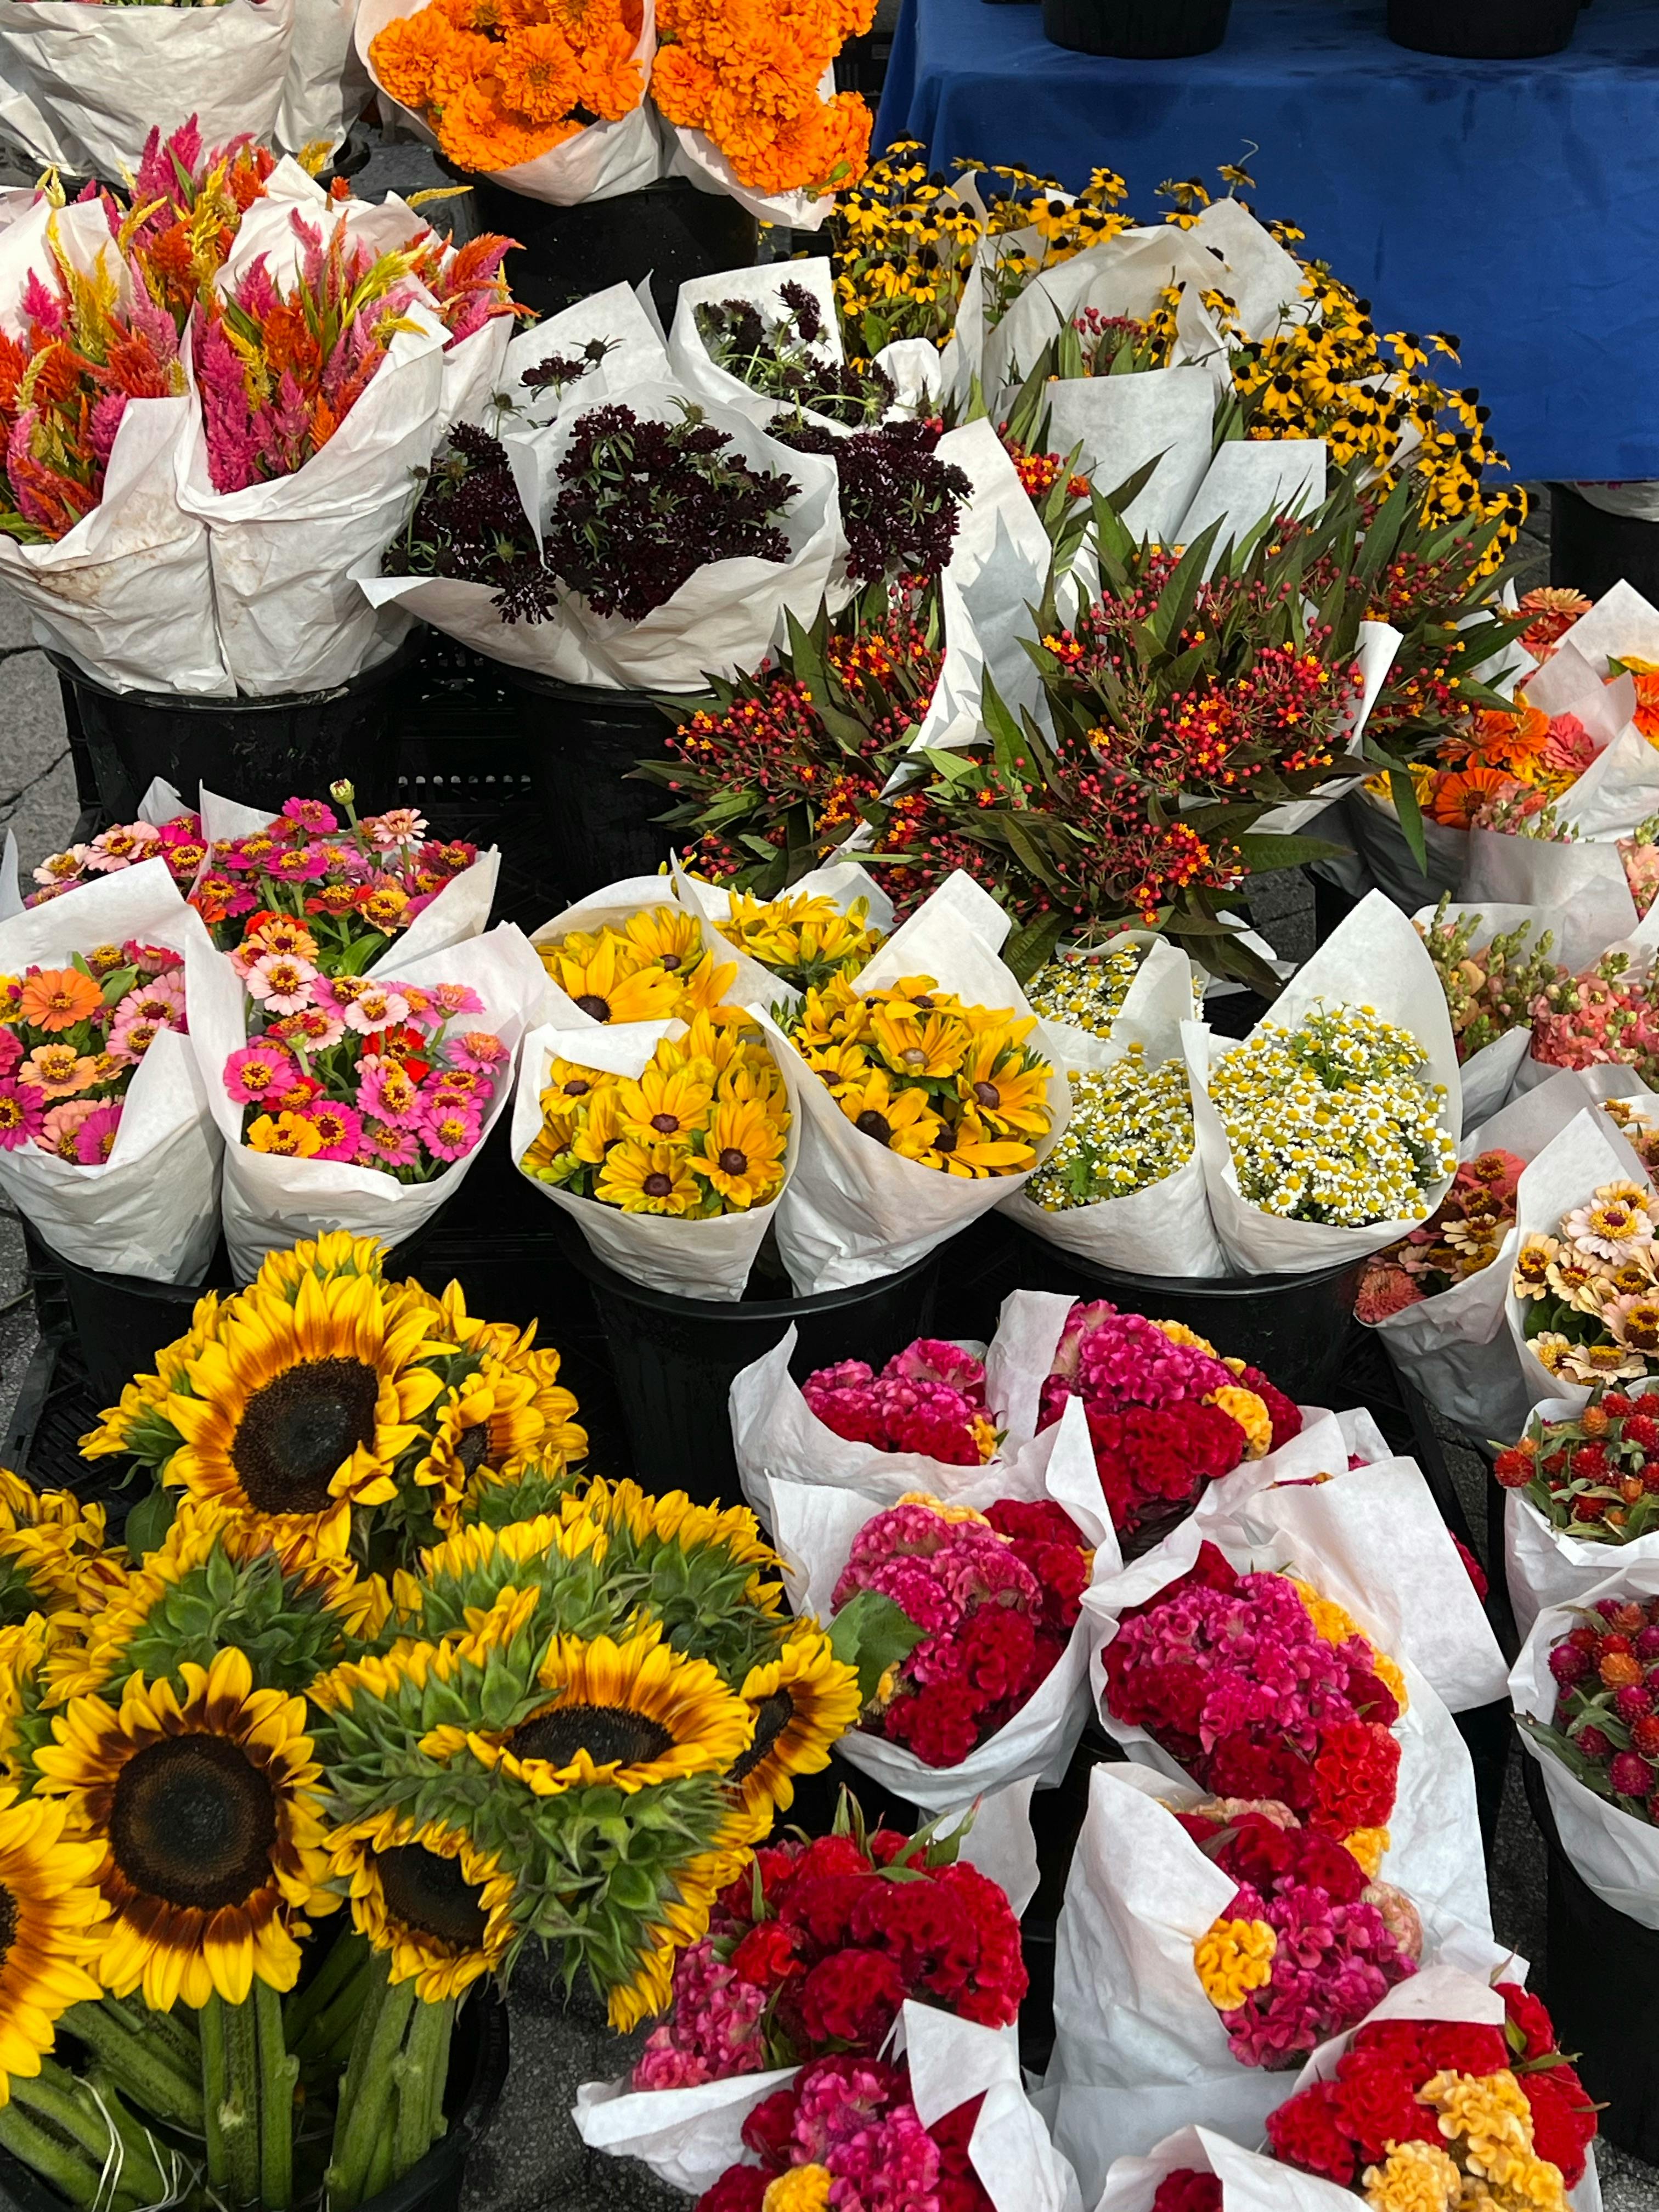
[(1260, 1688), (1334, 1121), (1306, 1946), (388, 1075), (704, 1130), (1605, 1728), (995, 1597), (1460, 1238), (821, 1946), (1589, 1293), (1595, 1476), (950, 1085), (929, 1398), (1432, 2114), (1166, 1415), (1131, 1126), (72, 1039)]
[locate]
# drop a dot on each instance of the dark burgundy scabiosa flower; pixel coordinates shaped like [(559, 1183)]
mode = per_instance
[(643, 505), (776, 358), (900, 504), (470, 524)]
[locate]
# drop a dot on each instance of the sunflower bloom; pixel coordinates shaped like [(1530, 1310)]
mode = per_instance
[(802, 1701), (427, 1895)]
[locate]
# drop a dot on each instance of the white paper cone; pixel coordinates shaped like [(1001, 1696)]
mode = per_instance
[(1583, 884), (1380, 842), (1546, 1566), (686, 2137), (695, 368), (950, 2061)]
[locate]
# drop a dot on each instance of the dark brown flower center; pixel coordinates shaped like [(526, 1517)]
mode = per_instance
[(8, 1922), (732, 1161), (193, 1822), (669, 960), (474, 1447), (576, 1087), (429, 1893), (604, 1732), (658, 1186), (945, 1142), (297, 1430), (772, 1716), (591, 1003), (665, 1123), (987, 1094), (875, 1125)]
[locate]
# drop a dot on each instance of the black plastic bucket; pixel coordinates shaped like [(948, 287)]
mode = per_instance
[(123, 1321), (260, 751), (674, 1358), (667, 231), (1136, 30), (1294, 1327), (584, 743), (1591, 551), (1483, 30), (1602, 1989)]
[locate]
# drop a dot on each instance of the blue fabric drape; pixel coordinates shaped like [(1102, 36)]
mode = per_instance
[(1514, 203)]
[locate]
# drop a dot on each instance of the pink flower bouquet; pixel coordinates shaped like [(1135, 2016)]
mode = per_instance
[(72, 1039), (929, 1398)]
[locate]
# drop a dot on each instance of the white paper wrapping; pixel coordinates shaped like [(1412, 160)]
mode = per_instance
[(597, 164), (1375, 958), (695, 368), (1434, 1853), (271, 1201), (326, 88), (81, 86), (686, 2137), (152, 1209), (952, 2060), (854, 1210), (1249, 2182), (1615, 1854), (1166, 1229), (1581, 887)]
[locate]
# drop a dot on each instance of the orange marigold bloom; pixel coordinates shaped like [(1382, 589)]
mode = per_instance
[(57, 998)]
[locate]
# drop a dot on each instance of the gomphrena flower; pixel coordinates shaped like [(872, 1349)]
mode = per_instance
[(1596, 1475), (1605, 1728), (949, 1085), (1131, 1126), (1334, 1120)]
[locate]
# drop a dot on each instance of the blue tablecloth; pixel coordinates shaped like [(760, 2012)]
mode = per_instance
[(1516, 203)]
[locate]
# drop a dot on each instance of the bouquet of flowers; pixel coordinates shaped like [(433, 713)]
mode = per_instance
[(72, 1039), (1088, 989), (1431, 2106), (649, 965), (1605, 1730), (786, 352), (803, 939), (1490, 990), (1166, 1415), (1459, 1240), (1589, 1295), (1592, 1475), (1605, 1016), (180, 842), (994, 1598), (1131, 1127), (929, 1398)]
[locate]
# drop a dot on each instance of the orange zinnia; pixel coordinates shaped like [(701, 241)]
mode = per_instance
[(57, 998), (1458, 796)]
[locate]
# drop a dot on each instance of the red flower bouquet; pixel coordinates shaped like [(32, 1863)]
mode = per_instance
[(845, 2133), (1166, 1415), (929, 1398), (1606, 1725), (1262, 1689), (818, 1951), (1307, 1947), (995, 1595), (1595, 1477), (1427, 2106)]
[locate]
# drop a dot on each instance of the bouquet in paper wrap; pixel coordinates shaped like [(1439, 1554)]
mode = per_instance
[(1492, 963), (103, 1110), (1578, 1482)]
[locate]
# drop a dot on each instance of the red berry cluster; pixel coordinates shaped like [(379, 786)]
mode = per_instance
[(1597, 1476), (1606, 1707)]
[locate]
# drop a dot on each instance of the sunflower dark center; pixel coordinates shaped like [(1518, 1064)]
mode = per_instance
[(8, 1922), (473, 1447), (987, 1094), (667, 1123), (772, 1716), (732, 1161), (875, 1125), (658, 1186), (193, 1822), (945, 1142), (604, 1732), (295, 1434), (591, 1003), (429, 1893)]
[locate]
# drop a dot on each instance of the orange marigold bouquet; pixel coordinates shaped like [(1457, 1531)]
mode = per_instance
[(503, 82), (747, 73)]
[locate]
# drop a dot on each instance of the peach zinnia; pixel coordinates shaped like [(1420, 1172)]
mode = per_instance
[(57, 998)]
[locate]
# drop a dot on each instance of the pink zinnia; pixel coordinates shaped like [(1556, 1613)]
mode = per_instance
[(387, 1092), (480, 1050), (120, 847), (450, 1131), (22, 1109), (398, 825), (386, 1147), (314, 1027), (258, 1071), (59, 1130), (281, 982), (160, 1001), (340, 1128), (183, 829), (453, 999), (311, 814), (300, 864), (94, 1140), (378, 1006), (129, 1040), (11, 1050)]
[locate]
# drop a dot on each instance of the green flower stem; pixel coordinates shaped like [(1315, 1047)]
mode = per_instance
[(357, 2064), (215, 2088), (345, 1962), (277, 2075), (440, 2082), (140, 2165), (380, 2171), (145, 2068), (174, 2031), (337, 2019), (68, 2173), (48, 2100), (364, 2110), (416, 2068)]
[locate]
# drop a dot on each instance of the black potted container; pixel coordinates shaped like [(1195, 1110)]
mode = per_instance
[(583, 744), (1294, 1327), (260, 751), (1591, 551), (1483, 30), (1136, 30), (668, 231)]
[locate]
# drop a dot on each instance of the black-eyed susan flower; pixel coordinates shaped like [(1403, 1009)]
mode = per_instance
[(50, 1906)]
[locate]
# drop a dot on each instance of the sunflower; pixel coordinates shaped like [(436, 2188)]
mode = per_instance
[(49, 1906), (627, 1715), (1005, 1086), (609, 981), (667, 937), (803, 1700), (47, 1541), (206, 1811), (741, 1153), (487, 1426), (297, 1412), (429, 1896)]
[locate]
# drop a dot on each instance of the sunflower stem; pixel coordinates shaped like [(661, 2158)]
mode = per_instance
[(144, 2069), (357, 2065), (435, 2118), (70, 2174), (364, 2112), (379, 2171), (214, 2086), (240, 2119), (347, 1958), (415, 2068), (338, 2018), (56, 2101), (141, 2173), (278, 2072)]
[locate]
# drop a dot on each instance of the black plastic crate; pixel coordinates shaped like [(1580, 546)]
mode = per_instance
[(56, 1407)]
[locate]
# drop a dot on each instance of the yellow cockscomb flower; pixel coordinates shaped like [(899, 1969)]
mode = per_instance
[(1232, 1958), (426, 1894), (207, 1812)]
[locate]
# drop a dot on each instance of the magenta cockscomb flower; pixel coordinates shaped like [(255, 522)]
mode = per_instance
[(22, 1111), (258, 1071)]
